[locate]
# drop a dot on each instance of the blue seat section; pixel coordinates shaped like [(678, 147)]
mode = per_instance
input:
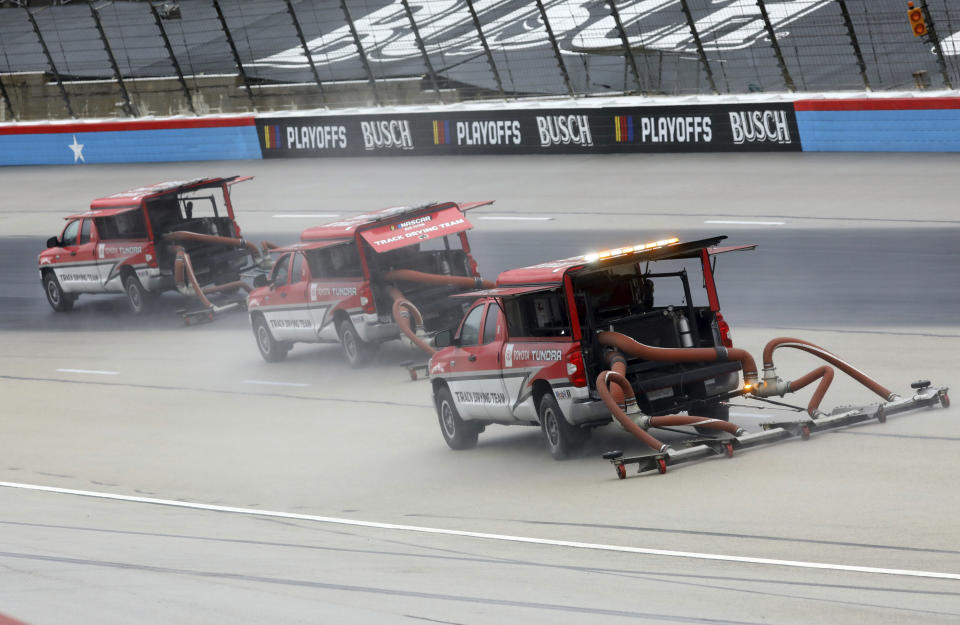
[(130, 146), (909, 130)]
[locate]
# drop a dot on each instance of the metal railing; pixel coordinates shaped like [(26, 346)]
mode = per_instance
[(220, 55)]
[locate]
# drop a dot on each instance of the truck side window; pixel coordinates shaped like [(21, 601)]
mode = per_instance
[(490, 323), (339, 261), (297, 273), (470, 330), (281, 271), (70, 233), (128, 225), (537, 315)]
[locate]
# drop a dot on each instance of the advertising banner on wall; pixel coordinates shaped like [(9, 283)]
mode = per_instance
[(690, 128)]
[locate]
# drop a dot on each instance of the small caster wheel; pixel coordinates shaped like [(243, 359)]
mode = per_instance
[(661, 465), (944, 400), (729, 449), (621, 472), (210, 316), (610, 455), (920, 384), (805, 432), (413, 374), (881, 415)]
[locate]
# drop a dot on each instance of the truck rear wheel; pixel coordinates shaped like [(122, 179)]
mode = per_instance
[(271, 349), (139, 298), (563, 440), (458, 433), (59, 301), (357, 351)]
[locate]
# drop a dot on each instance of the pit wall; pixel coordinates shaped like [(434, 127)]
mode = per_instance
[(914, 124)]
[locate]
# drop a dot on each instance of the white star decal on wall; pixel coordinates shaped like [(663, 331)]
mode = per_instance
[(77, 150)]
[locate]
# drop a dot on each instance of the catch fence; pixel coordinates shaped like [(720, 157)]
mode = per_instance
[(219, 55)]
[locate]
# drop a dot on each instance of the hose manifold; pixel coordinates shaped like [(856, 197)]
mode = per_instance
[(772, 384)]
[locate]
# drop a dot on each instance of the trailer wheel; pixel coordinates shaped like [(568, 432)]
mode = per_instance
[(458, 433), (139, 298), (721, 412), (59, 301), (357, 351), (271, 349), (563, 440)]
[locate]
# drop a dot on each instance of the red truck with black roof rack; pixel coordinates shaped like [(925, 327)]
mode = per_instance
[(180, 235), (527, 351), (342, 282)]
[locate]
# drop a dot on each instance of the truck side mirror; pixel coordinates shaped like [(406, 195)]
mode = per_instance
[(443, 338), (53, 242), (260, 280)]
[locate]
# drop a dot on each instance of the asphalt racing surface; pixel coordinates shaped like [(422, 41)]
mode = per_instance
[(156, 473)]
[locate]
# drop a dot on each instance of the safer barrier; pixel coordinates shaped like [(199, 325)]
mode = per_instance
[(898, 124), (142, 141), (880, 125)]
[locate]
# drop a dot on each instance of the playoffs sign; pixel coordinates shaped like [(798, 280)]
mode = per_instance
[(687, 128)]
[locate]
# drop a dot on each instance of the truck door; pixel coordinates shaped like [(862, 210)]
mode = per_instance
[(295, 296), (75, 264), (285, 305), (492, 337), (86, 259), (472, 364)]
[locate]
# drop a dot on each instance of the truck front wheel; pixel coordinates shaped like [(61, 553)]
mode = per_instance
[(457, 433), (563, 440), (271, 349), (59, 301)]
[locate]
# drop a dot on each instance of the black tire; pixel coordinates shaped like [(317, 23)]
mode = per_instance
[(140, 299), (357, 351), (562, 439), (711, 411), (271, 349), (58, 300), (458, 433)]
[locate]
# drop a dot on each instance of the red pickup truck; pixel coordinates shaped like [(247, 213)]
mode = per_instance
[(340, 283), (137, 242), (528, 352)]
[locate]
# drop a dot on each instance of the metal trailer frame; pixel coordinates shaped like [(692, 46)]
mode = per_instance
[(726, 444)]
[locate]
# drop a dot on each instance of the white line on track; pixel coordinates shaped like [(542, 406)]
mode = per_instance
[(512, 218), (486, 536), (268, 383), (91, 371), (745, 223), (305, 215)]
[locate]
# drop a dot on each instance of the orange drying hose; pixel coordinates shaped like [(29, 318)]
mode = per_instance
[(185, 235), (607, 377), (627, 345), (408, 317), (833, 359), (409, 275)]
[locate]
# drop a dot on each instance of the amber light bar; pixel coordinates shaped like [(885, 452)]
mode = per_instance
[(630, 249)]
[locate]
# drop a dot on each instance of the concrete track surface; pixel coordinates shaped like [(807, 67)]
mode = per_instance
[(155, 473)]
